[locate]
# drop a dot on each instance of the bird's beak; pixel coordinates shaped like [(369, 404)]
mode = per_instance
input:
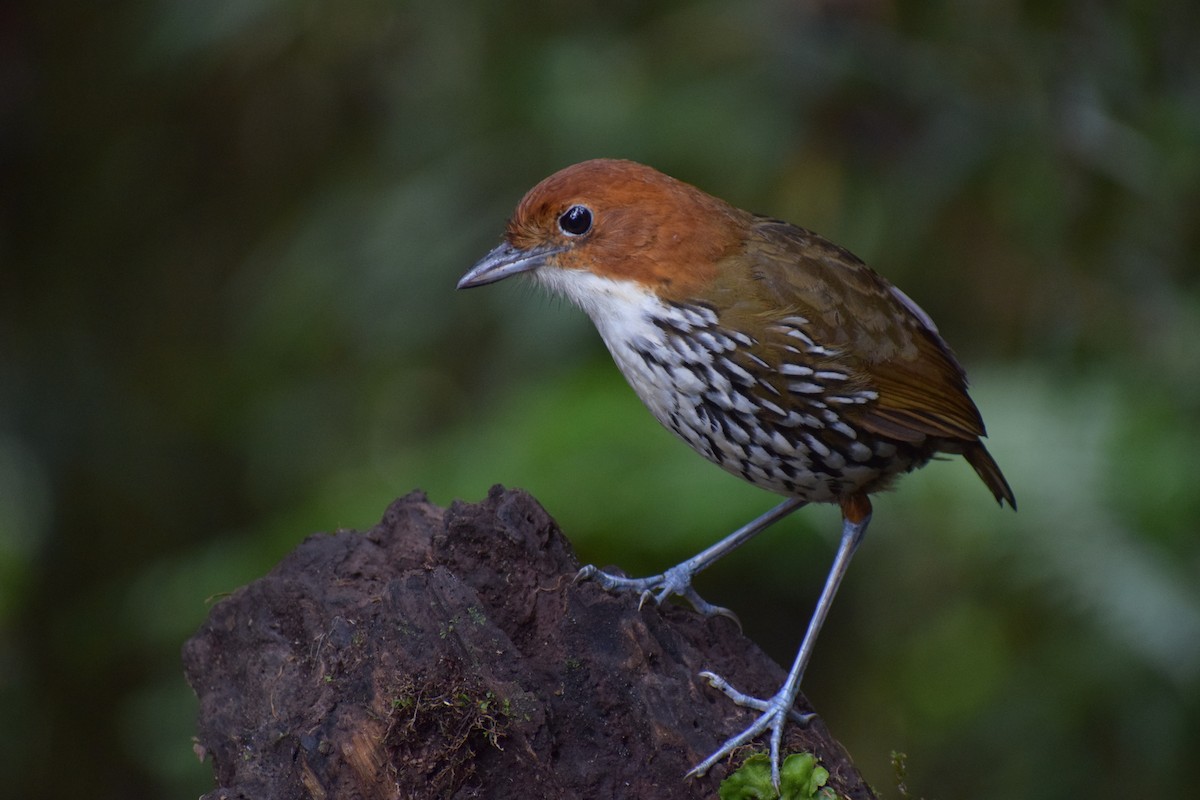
[(504, 261)]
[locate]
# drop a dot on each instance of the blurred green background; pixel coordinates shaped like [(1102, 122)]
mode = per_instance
[(231, 232)]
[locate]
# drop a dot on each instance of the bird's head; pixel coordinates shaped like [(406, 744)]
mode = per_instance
[(614, 220)]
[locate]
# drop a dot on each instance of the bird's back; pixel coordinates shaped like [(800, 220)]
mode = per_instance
[(803, 371)]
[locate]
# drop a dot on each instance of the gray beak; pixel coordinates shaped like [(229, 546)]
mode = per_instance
[(504, 261)]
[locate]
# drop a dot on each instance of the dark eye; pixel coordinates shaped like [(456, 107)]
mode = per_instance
[(576, 221)]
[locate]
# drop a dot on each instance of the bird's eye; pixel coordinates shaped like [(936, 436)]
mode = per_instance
[(575, 221)]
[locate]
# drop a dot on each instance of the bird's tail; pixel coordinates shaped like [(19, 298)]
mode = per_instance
[(987, 469)]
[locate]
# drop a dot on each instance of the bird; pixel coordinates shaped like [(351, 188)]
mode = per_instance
[(773, 352)]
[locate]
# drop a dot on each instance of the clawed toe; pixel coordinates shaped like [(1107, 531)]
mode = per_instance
[(709, 609), (801, 718), (775, 713), (608, 580), (659, 588)]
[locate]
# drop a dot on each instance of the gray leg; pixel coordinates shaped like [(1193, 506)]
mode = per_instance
[(778, 709), (678, 579)]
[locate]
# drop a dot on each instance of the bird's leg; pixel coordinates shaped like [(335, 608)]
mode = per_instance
[(678, 579), (777, 710)]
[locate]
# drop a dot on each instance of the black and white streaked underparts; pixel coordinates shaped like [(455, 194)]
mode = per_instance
[(768, 411)]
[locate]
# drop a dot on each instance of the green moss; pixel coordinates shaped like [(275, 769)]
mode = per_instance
[(801, 777)]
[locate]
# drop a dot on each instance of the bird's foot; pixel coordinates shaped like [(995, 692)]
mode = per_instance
[(775, 713), (675, 581)]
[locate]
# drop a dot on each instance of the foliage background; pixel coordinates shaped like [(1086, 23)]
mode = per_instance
[(231, 232)]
